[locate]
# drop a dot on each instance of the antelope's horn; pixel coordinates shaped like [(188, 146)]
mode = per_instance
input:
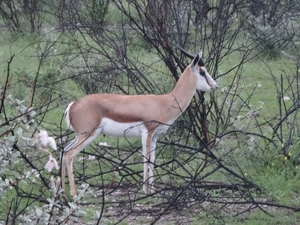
[(190, 55)]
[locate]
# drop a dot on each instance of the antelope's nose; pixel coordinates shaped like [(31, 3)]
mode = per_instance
[(214, 85)]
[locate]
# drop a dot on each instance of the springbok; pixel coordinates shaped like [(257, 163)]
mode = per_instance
[(144, 116)]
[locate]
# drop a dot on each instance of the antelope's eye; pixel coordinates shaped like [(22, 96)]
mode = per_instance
[(202, 73)]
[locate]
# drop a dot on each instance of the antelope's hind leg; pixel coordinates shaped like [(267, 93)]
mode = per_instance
[(78, 144), (63, 162)]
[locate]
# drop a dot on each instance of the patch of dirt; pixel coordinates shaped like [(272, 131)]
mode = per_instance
[(130, 206)]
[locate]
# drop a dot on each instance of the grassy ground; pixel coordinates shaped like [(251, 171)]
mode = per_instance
[(277, 176)]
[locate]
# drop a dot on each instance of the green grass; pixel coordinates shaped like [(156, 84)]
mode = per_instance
[(277, 176), (258, 75)]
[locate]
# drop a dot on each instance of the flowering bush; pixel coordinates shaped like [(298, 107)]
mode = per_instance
[(43, 139), (20, 176)]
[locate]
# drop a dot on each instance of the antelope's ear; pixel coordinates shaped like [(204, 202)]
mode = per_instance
[(196, 61)]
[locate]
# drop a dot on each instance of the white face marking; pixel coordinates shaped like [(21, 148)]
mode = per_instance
[(205, 83)]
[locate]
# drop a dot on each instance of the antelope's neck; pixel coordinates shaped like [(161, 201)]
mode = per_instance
[(184, 90)]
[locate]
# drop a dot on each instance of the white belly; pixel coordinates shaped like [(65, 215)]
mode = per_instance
[(117, 129), (133, 129)]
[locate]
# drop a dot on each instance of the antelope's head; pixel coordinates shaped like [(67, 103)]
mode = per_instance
[(204, 82)]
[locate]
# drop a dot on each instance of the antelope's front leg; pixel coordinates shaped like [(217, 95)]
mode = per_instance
[(151, 163), (63, 171), (146, 158)]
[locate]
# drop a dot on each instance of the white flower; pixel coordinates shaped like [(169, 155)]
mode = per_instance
[(52, 143), (45, 139), (252, 114), (55, 185), (103, 144), (91, 157), (52, 183), (51, 163)]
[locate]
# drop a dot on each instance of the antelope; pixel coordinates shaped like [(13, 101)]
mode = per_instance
[(144, 116)]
